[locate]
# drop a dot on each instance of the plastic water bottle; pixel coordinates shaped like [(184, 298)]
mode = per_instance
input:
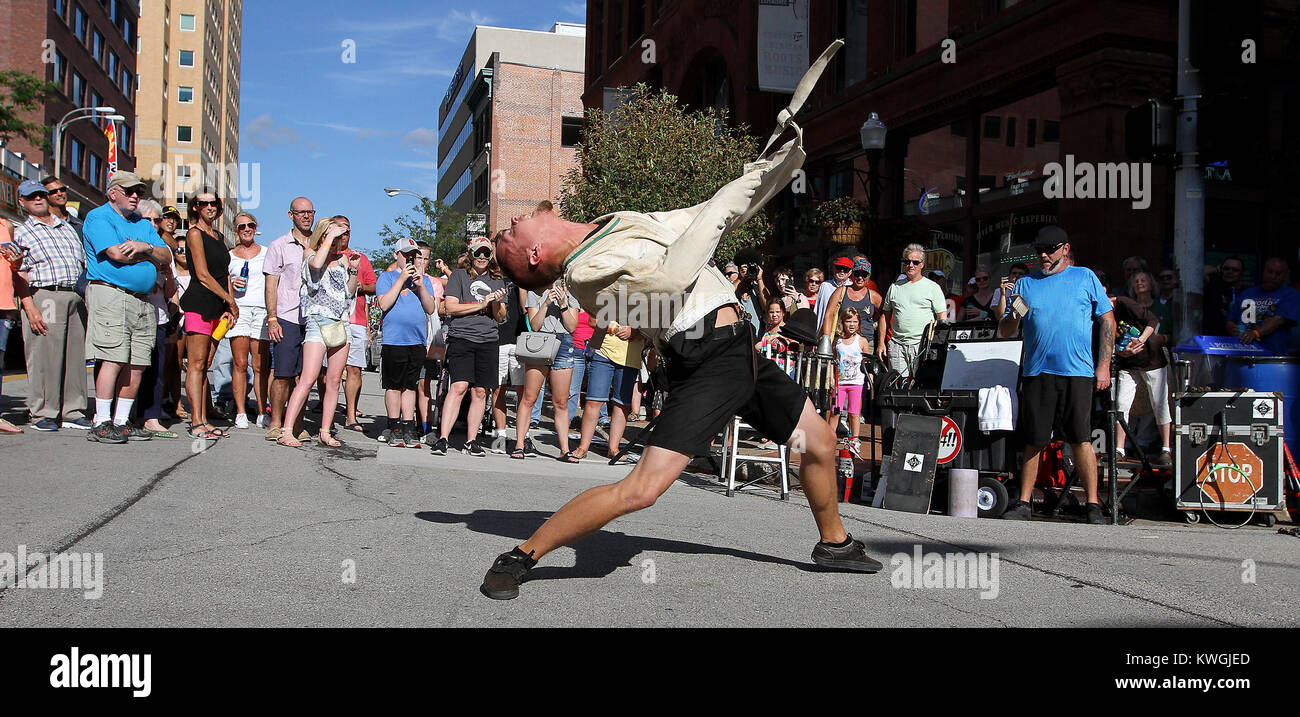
[(243, 274), (1126, 334)]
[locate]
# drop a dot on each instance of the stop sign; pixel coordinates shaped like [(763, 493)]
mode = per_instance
[(1219, 473)]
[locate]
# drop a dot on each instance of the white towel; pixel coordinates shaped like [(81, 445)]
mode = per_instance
[(997, 410)]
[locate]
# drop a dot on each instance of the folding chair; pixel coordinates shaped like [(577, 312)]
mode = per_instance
[(731, 456)]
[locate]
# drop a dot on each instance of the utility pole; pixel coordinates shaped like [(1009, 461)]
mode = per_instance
[(1189, 191)]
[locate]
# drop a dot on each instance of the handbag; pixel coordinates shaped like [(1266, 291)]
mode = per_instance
[(334, 334), (537, 347)]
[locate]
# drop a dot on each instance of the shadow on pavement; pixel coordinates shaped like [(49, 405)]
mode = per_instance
[(598, 554)]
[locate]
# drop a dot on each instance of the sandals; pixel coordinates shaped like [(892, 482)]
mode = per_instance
[(329, 441), (288, 441), (518, 453), (162, 434), (205, 430), (355, 427), (568, 457)]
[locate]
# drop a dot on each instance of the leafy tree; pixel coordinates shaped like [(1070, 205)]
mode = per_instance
[(445, 233), (651, 154), (21, 92)]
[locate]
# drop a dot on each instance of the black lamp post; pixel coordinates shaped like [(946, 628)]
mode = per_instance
[(873, 141)]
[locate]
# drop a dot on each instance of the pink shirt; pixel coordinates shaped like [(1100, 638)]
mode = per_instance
[(284, 260), (366, 275), (582, 332)]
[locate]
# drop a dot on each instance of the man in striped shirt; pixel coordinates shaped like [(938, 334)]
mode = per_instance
[(54, 335)]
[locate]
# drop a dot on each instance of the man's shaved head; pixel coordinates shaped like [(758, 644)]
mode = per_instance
[(532, 251)]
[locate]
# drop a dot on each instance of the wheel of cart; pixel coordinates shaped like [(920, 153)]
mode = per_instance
[(991, 496)]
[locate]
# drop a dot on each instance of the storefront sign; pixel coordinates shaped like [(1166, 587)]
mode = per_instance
[(782, 44), (940, 259), (9, 194)]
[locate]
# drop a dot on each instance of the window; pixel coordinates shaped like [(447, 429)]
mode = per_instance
[(96, 100), (1051, 131), (111, 66), (75, 152), (78, 96), (79, 23), (97, 46), (187, 23), (184, 133), (851, 24), (992, 127), (187, 58), (1011, 131), (1031, 132), (61, 9), (95, 168), (570, 131), (128, 30), (183, 173), (185, 94), (60, 71), (126, 83), (124, 138), (925, 24)]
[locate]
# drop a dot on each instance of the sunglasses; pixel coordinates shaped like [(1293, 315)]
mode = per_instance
[(135, 192), (861, 274), (482, 254), (37, 195), (246, 225), (981, 279), (180, 248), (57, 190), (207, 203), (842, 269), (733, 273), (1048, 248), (914, 262)]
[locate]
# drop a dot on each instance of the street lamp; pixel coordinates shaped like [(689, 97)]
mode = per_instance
[(872, 136), (69, 119), (394, 191)]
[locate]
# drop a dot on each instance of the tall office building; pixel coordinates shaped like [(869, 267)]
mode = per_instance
[(509, 121), (88, 49), (188, 129)]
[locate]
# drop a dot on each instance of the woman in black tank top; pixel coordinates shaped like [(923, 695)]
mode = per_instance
[(209, 297), (861, 297)]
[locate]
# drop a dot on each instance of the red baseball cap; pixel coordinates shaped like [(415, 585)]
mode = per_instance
[(844, 261)]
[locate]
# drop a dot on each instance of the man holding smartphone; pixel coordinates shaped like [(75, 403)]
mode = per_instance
[(407, 296)]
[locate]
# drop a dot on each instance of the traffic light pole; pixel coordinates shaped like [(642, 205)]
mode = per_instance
[(1189, 191)]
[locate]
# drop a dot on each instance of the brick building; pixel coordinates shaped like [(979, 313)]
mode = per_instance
[(509, 121), (1033, 82), (91, 56)]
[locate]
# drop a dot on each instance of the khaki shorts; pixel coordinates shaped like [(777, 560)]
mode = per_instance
[(121, 328)]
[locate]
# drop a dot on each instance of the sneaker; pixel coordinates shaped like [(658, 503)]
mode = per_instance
[(46, 424), (499, 446), (81, 424), (106, 432), (534, 424), (474, 449), (241, 421), (855, 448), (1019, 510), (428, 439), (1094, 513), (397, 438), (412, 438), (507, 572), (852, 557), (1164, 460), (134, 433), (439, 447), (385, 436), (530, 450), (262, 420)]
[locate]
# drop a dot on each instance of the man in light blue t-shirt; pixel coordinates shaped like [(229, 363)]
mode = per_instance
[(123, 253), (407, 296), (910, 305), (1059, 373)]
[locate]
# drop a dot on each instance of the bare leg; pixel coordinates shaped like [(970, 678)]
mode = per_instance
[(617, 425), (477, 401), (239, 374), (817, 472), (451, 407), (590, 415), (1029, 471), (352, 392), (197, 348), (1085, 462), (560, 403), (280, 390), (534, 377), (338, 358), (312, 352), (261, 356)]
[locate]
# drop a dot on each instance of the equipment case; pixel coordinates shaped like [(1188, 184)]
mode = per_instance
[(1244, 476)]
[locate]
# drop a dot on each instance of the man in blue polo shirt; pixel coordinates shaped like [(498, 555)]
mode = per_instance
[(1266, 313), (1059, 372), (122, 255), (407, 296)]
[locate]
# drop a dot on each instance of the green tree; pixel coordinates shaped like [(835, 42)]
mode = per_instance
[(445, 233), (651, 154), (21, 92)]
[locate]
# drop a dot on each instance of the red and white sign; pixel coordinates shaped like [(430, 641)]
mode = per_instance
[(1222, 474), (949, 441)]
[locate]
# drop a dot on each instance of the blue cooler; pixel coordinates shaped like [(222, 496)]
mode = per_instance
[(1271, 373), (1208, 356)]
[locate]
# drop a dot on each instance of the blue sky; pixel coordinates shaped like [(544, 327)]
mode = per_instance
[(339, 133)]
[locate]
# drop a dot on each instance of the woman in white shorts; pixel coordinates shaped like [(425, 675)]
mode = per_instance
[(249, 337)]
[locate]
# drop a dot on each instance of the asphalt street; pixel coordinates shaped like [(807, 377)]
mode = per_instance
[(247, 533)]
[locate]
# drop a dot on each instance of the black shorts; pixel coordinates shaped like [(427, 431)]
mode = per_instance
[(431, 368), (472, 362), (400, 367), (712, 379), (286, 354), (1049, 401)]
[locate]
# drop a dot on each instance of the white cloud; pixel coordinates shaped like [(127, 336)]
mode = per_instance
[(576, 8), (416, 165), (262, 132), (421, 137), (456, 25)]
